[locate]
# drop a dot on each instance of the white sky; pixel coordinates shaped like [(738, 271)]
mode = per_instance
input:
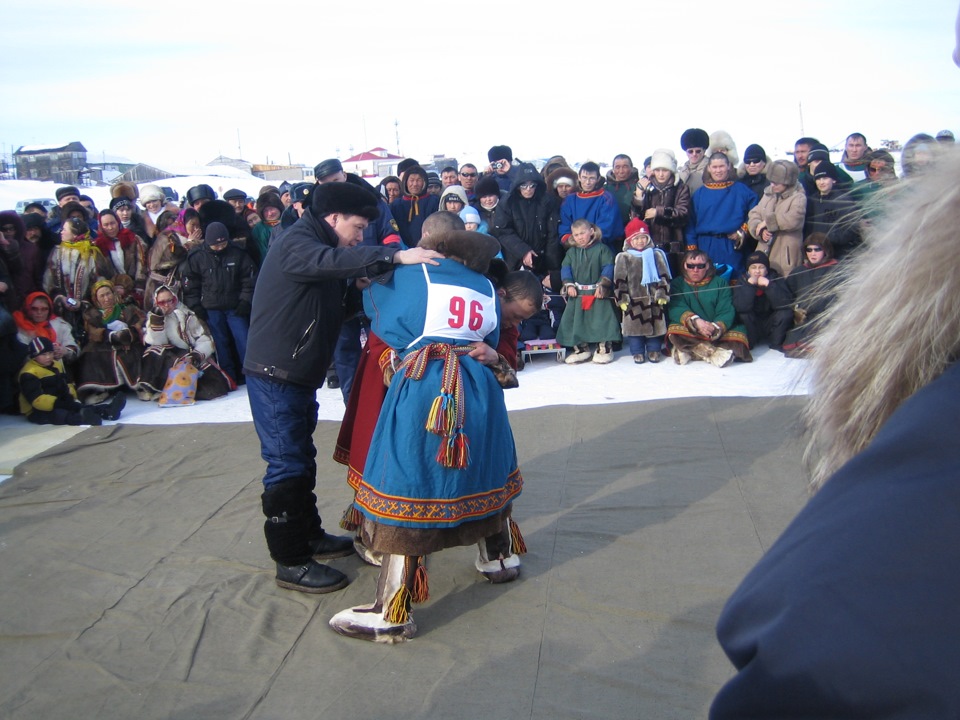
[(172, 82)]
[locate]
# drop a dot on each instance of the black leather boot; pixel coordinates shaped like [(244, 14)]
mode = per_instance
[(311, 577)]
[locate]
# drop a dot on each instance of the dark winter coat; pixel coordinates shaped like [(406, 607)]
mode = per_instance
[(852, 612), (813, 291), (298, 301), (757, 183), (835, 216), (764, 311), (763, 300), (218, 280), (522, 225), (672, 203)]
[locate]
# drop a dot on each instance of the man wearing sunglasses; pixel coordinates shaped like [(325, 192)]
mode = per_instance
[(468, 180), (702, 316), (694, 142)]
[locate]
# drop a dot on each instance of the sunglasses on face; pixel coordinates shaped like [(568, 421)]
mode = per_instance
[(695, 151), (468, 174), (876, 168), (695, 266), (813, 248), (754, 162), (528, 186)]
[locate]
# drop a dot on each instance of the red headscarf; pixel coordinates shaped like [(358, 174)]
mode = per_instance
[(44, 329)]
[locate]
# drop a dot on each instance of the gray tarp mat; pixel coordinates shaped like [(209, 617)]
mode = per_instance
[(135, 582)]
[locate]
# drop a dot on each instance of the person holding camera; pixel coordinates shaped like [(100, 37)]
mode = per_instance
[(501, 166)]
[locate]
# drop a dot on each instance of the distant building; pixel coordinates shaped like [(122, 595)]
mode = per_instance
[(372, 163), (439, 162), (290, 173), (105, 168), (142, 173), (60, 163), (231, 162)]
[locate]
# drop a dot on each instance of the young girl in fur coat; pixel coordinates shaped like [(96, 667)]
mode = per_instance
[(641, 287)]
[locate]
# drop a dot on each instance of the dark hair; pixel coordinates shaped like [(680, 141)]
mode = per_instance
[(698, 253), (717, 156), (37, 206), (807, 141), (449, 168), (441, 221), (386, 181), (857, 135), (523, 285), (467, 165), (621, 156), (590, 167), (107, 211)]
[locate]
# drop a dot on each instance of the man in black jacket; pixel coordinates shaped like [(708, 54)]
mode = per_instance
[(297, 314)]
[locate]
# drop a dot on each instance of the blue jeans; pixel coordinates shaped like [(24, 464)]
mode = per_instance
[(640, 344), (285, 417), (226, 325)]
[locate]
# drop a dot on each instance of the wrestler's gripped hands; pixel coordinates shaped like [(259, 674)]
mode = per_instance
[(484, 354)]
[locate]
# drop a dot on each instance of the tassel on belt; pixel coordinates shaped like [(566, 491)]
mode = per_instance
[(447, 411)]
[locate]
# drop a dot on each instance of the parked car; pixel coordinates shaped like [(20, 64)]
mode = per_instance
[(48, 203)]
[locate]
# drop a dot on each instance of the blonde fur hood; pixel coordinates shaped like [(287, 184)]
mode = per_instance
[(896, 325)]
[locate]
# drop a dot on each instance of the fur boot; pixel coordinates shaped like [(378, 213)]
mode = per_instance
[(388, 619), (581, 353), (716, 356), (681, 357), (604, 354), (498, 559)]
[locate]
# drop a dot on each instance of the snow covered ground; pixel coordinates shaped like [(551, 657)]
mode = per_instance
[(221, 178), (546, 382)]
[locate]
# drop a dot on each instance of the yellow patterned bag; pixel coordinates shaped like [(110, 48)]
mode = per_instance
[(180, 390)]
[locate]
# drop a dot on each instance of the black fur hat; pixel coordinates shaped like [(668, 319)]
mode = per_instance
[(694, 138), (500, 152), (344, 198), (474, 249)]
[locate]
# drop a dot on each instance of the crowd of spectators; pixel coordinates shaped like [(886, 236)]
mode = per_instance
[(714, 258)]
